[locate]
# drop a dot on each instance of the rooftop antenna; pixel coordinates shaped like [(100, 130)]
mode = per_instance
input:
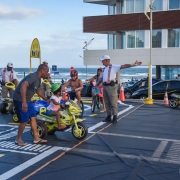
[(87, 43)]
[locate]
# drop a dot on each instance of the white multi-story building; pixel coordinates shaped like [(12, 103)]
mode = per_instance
[(128, 32)]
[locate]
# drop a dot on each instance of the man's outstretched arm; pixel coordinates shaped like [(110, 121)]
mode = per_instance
[(137, 63)]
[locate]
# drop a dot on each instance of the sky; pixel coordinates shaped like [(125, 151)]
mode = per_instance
[(57, 24)]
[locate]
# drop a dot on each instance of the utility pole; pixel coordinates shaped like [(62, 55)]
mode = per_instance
[(149, 100)]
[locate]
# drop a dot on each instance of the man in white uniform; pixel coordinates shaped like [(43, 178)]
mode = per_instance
[(8, 75), (108, 77)]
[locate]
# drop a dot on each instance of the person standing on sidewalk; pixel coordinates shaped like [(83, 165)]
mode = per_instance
[(108, 78), (8, 75), (24, 106)]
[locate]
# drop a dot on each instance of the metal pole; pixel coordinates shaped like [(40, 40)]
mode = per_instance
[(150, 75), (86, 71)]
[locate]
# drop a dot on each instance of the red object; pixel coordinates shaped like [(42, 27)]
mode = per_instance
[(121, 95), (166, 102)]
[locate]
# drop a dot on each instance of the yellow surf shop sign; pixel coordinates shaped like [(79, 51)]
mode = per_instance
[(35, 52)]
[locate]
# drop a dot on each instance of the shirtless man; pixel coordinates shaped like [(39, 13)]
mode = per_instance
[(76, 85)]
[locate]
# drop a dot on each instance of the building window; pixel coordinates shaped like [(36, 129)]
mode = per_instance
[(111, 41), (139, 5), (112, 9), (173, 37), (157, 5), (131, 39), (174, 4), (156, 38), (135, 39), (139, 39), (123, 40), (134, 6)]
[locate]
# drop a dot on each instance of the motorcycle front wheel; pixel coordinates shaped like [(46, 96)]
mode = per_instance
[(81, 132)]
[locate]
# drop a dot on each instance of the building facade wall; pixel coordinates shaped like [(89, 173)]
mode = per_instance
[(119, 24)]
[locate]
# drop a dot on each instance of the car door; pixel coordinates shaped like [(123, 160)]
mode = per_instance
[(173, 87), (159, 89)]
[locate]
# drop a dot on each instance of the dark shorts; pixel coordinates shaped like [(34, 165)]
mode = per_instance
[(24, 116), (72, 95)]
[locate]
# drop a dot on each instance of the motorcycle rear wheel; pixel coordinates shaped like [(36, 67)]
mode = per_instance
[(41, 128), (3, 107)]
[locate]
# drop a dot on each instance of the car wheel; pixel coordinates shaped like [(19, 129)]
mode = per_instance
[(143, 97), (173, 103), (128, 95)]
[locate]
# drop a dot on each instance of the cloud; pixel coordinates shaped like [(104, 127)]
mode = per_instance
[(17, 13), (61, 48), (74, 39)]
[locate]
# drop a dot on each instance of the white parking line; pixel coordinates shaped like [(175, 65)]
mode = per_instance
[(90, 129), (21, 152), (138, 137), (160, 149)]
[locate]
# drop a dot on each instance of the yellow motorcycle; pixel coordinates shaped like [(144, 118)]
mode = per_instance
[(69, 118)]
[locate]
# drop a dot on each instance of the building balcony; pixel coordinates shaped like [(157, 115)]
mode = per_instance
[(126, 22), (103, 2)]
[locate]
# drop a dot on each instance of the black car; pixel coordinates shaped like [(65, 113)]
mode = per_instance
[(143, 83), (159, 89)]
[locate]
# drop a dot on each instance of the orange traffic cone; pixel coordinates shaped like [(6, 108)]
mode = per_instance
[(121, 95), (166, 102)]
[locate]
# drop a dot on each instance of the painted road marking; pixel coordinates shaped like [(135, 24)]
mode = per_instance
[(29, 147), (174, 152), (95, 126), (43, 155), (90, 129), (12, 133), (160, 149), (22, 152), (1, 155), (30, 162), (128, 156), (87, 107), (138, 137), (93, 115), (7, 130)]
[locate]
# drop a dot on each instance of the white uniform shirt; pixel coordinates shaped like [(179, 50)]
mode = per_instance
[(114, 69), (7, 75), (52, 106)]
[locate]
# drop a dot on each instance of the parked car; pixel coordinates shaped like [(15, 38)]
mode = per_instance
[(159, 89), (130, 83), (143, 83)]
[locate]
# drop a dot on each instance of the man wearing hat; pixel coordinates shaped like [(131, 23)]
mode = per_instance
[(108, 78), (44, 87), (8, 75)]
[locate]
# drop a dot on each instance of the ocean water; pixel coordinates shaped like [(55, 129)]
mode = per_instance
[(64, 73)]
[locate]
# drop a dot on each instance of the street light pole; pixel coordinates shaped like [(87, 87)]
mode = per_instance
[(87, 43), (149, 100)]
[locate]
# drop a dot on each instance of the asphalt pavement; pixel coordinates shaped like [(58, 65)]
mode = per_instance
[(143, 144)]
